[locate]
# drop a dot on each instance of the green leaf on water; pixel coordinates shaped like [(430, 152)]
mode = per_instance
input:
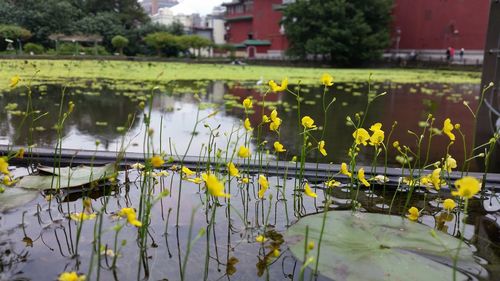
[(365, 246), (13, 197), (53, 178)]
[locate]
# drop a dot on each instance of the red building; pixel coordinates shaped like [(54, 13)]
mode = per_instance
[(439, 24), (253, 26)]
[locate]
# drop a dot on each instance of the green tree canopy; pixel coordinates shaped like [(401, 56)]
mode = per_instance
[(163, 43), (14, 32), (194, 42), (343, 31), (119, 42)]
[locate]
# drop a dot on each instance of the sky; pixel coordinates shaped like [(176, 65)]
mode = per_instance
[(196, 6)]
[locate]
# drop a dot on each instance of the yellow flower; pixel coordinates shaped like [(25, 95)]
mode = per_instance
[(321, 148), (274, 115), (264, 185), (450, 163), (247, 103), (233, 171), (413, 214), (277, 88), (467, 187), (4, 166), (260, 239), (157, 161), (265, 119), (308, 191), (8, 181), (214, 186), (435, 178), (71, 276), (275, 124), (195, 180), (377, 138), (276, 253), (131, 216), (344, 171), (449, 204), (278, 147), (376, 127), (361, 136), (447, 128), (186, 171), (244, 152), (327, 79), (245, 180), (332, 183), (14, 81), (81, 216), (308, 122), (361, 177), (247, 125)]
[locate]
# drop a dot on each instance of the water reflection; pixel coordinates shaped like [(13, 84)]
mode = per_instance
[(101, 111), (43, 244)]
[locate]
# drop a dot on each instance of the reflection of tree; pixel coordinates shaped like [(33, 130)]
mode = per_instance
[(89, 109)]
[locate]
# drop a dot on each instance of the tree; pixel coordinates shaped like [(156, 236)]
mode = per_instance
[(119, 42), (343, 31), (129, 12), (194, 42), (12, 32), (163, 43), (103, 23)]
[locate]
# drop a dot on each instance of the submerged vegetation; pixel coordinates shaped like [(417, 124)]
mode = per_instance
[(234, 204)]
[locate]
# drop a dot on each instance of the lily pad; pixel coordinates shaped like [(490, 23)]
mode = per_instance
[(14, 197), (364, 246), (65, 177)]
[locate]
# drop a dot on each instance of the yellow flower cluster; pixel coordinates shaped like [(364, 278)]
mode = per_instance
[(361, 136)]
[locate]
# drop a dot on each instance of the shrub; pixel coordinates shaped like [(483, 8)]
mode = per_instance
[(36, 49)]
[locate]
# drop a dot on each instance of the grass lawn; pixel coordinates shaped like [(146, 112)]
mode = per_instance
[(60, 70)]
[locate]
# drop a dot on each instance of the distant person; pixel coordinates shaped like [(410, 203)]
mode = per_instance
[(462, 51), (452, 53), (448, 54)]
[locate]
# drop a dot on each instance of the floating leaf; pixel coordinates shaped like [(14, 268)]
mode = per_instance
[(14, 197), (65, 177), (364, 246)]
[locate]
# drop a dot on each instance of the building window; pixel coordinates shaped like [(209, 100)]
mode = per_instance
[(250, 36)]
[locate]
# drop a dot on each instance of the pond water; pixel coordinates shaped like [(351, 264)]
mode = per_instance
[(103, 108), (38, 241)]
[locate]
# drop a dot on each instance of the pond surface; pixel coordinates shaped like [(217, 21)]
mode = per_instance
[(38, 241), (103, 109)]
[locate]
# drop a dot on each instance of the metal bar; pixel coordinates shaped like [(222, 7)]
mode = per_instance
[(312, 171)]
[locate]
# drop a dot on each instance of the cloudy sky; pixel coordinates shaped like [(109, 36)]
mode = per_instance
[(197, 6)]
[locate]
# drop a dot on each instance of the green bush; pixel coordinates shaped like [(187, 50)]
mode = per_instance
[(33, 48)]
